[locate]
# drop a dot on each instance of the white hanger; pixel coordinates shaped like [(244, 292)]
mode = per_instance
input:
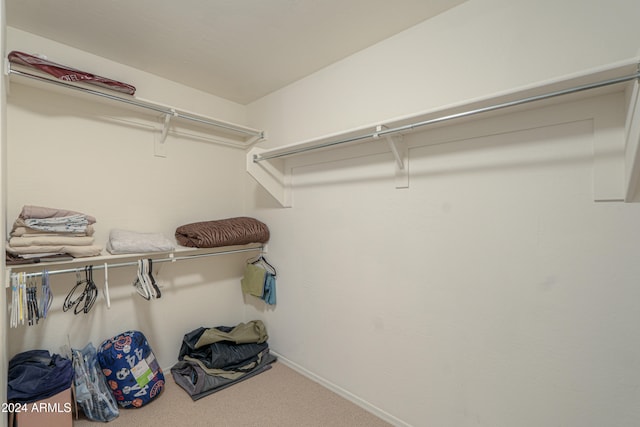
[(140, 284), (147, 279), (106, 285)]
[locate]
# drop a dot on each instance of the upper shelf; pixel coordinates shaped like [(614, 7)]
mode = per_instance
[(235, 135), (605, 79), (268, 166)]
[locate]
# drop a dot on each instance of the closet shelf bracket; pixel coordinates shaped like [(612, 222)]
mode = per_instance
[(167, 123), (401, 154), (160, 146), (256, 138)]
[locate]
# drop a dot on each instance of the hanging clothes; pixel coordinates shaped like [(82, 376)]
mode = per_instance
[(269, 294), (253, 280), (259, 280)]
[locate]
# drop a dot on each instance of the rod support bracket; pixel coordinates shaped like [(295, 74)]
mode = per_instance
[(167, 123), (394, 141), (401, 154)]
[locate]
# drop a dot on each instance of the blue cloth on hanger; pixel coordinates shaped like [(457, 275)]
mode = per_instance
[(269, 294)]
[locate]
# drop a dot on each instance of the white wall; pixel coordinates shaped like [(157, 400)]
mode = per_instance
[(70, 153), (494, 291), (4, 362)]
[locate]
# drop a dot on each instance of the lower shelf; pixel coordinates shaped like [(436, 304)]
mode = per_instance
[(125, 260)]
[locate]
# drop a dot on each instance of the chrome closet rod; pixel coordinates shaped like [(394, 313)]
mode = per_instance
[(148, 106), (385, 132), (100, 265)]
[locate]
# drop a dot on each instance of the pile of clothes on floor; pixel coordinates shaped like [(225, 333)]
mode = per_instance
[(212, 359), (41, 233)]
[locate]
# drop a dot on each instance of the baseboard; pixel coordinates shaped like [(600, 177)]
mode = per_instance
[(341, 392)]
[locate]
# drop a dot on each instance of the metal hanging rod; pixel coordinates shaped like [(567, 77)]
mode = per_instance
[(146, 105), (100, 265), (405, 128)]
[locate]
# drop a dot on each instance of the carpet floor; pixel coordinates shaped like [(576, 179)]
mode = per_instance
[(278, 397)]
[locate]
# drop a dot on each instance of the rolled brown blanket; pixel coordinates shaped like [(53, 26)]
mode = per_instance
[(222, 232)]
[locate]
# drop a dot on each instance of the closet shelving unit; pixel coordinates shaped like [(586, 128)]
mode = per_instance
[(272, 168), (125, 260), (226, 133)]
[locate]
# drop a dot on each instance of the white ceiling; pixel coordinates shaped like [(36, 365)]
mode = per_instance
[(240, 50)]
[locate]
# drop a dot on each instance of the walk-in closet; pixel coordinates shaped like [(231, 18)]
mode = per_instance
[(304, 214)]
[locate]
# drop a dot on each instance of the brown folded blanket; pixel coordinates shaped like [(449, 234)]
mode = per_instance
[(223, 232)]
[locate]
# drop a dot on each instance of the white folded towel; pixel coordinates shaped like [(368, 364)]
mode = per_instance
[(131, 242)]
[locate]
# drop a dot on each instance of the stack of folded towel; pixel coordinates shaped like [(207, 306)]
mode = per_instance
[(43, 232)]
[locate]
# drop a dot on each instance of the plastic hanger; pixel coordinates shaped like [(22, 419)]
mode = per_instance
[(22, 289), (106, 285), (46, 299), (32, 303), (15, 300), (140, 284), (265, 264), (83, 302), (152, 280), (144, 278), (91, 291)]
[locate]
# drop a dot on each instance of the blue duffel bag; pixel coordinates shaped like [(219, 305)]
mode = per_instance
[(131, 369)]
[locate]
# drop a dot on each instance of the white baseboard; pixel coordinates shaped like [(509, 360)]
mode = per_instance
[(341, 392)]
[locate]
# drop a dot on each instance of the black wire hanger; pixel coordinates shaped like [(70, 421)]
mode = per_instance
[(87, 297), (262, 260)]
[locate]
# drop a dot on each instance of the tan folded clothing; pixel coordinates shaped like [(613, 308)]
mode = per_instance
[(75, 251), (51, 241)]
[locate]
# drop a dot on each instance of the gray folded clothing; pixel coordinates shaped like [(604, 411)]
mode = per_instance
[(132, 242)]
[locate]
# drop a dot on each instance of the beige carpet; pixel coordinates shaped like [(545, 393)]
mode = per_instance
[(278, 397)]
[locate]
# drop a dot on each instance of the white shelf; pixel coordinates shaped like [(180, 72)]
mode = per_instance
[(269, 166), (181, 253), (226, 133)]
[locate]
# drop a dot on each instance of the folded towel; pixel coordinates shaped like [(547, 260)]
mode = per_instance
[(29, 211), (20, 229), (224, 232), (131, 242), (66, 224), (75, 251), (50, 241)]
